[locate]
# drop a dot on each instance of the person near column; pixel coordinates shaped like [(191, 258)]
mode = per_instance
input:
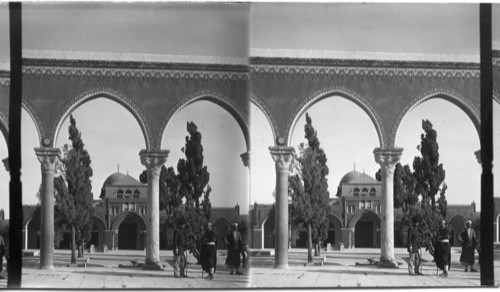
[(442, 248), (467, 238), (3, 252), (208, 252), (452, 242), (234, 244), (180, 242), (413, 247)]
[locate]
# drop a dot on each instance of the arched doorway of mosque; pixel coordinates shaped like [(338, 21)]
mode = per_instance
[(33, 236), (365, 232), (131, 232), (269, 233), (96, 233), (457, 223), (222, 227), (334, 226)]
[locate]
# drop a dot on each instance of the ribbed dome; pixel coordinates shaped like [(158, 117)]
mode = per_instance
[(356, 177), (120, 179)]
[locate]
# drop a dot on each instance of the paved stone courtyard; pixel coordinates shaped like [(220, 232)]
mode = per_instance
[(348, 268)]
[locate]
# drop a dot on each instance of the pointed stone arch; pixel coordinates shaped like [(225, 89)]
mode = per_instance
[(226, 103), (344, 92), (452, 96), (95, 93), (221, 222), (264, 107), (116, 223)]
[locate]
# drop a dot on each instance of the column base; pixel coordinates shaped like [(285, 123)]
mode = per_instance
[(387, 263), (46, 267), (282, 267), (152, 266)]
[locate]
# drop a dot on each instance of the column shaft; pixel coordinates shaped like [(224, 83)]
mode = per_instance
[(387, 158), (282, 156), (48, 158), (153, 160)]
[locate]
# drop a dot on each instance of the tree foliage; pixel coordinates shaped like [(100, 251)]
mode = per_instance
[(421, 193), (308, 189), (185, 195), (75, 203)]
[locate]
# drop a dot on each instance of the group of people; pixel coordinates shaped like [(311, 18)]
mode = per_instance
[(439, 246), (207, 256)]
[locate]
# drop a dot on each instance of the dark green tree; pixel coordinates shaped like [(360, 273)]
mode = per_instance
[(77, 207), (308, 190)]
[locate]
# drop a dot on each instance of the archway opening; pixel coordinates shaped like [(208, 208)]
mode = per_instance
[(457, 223), (112, 137), (222, 227), (129, 233), (365, 232), (458, 140), (269, 240), (262, 171), (334, 226), (347, 135), (30, 175), (223, 142)]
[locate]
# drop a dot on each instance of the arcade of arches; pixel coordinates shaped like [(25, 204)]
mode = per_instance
[(283, 87)]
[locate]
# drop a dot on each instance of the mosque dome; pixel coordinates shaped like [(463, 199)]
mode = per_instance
[(356, 177), (120, 179)]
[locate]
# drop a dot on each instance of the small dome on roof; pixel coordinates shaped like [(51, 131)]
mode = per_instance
[(120, 179), (356, 177)]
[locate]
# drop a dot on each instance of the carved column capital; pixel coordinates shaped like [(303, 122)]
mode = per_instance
[(478, 156), (154, 159), (6, 163), (388, 157), (48, 157), (282, 156), (245, 157)]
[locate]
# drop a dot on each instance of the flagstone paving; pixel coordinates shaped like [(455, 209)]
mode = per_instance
[(347, 268)]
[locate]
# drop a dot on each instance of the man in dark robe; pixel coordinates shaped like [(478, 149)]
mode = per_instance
[(467, 238), (234, 244), (413, 247), (180, 242)]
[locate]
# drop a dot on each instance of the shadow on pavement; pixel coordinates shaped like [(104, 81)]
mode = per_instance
[(123, 274)]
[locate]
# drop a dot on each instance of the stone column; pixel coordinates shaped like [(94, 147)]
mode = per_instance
[(48, 158), (282, 157), (153, 160), (387, 158)]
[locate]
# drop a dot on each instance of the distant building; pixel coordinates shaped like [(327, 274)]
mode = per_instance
[(356, 215), (120, 217)]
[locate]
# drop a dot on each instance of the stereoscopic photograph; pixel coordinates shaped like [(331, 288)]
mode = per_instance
[(204, 145)]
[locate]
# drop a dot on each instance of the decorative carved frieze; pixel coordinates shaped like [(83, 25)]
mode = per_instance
[(282, 157), (367, 71), (134, 70)]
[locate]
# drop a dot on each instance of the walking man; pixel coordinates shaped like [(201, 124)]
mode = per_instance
[(3, 250), (234, 244), (180, 242), (413, 247), (469, 242)]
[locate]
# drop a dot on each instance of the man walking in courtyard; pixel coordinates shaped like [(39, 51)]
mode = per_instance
[(179, 250), (3, 250), (469, 242), (234, 244), (413, 247)]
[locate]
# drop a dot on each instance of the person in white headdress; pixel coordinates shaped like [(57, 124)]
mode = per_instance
[(469, 242)]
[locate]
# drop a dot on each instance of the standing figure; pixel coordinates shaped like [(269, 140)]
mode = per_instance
[(180, 242), (413, 247), (208, 252), (2, 254), (442, 251), (452, 243), (469, 242), (234, 244)]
